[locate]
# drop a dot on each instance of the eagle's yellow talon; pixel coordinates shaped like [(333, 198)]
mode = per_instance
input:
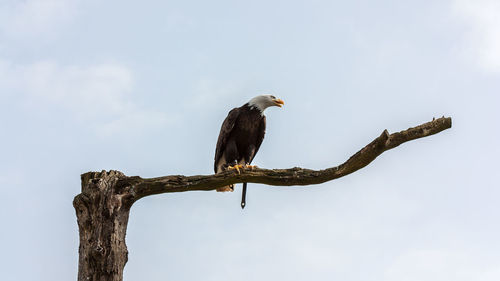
[(235, 167), (251, 167)]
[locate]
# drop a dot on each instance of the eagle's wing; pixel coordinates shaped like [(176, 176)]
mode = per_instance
[(260, 137), (225, 131)]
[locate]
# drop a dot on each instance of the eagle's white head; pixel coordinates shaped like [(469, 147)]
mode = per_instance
[(264, 101)]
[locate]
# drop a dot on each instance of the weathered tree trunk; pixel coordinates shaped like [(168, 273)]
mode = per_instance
[(103, 207), (102, 210)]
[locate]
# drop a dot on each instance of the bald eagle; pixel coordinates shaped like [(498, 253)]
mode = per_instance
[(240, 137)]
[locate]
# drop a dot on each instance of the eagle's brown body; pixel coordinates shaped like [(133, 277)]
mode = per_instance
[(240, 138), (241, 135)]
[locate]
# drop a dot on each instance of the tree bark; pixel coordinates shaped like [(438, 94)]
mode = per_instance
[(102, 209)]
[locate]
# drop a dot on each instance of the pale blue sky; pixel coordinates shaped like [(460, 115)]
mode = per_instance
[(144, 87)]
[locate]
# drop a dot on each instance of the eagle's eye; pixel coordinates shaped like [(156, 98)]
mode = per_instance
[(273, 97)]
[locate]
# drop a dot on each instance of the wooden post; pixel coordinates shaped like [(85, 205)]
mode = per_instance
[(102, 211)]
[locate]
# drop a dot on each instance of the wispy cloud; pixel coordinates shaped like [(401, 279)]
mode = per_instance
[(483, 36), (99, 95), (19, 18)]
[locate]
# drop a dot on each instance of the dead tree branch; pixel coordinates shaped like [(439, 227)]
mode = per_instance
[(285, 177), (103, 207)]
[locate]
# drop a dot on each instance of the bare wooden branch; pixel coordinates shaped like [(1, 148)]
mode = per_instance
[(284, 177), (103, 207)]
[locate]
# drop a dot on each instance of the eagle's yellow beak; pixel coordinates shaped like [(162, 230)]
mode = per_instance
[(279, 102)]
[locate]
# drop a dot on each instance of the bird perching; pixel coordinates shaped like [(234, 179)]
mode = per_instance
[(240, 137)]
